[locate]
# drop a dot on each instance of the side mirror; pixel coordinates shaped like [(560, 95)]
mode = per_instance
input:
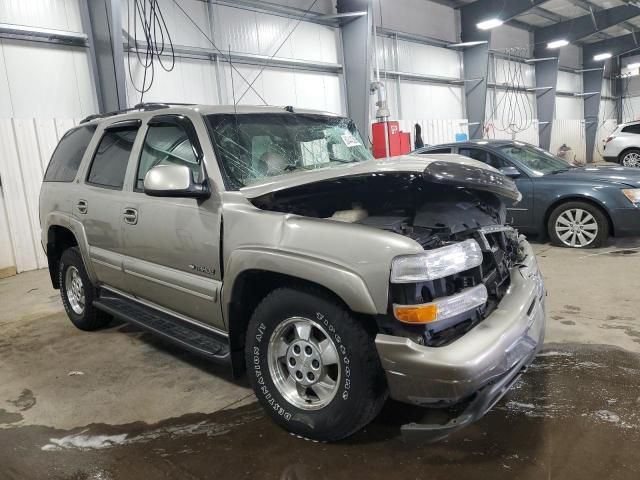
[(511, 172), (173, 181)]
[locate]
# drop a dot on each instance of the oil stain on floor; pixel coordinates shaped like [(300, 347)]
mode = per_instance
[(574, 415)]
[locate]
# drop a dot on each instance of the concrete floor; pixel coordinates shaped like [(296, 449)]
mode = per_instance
[(120, 403)]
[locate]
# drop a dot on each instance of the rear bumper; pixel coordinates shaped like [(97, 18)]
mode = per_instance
[(610, 158), (489, 355)]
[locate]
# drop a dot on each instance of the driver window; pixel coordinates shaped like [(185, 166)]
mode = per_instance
[(167, 144), (484, 157)]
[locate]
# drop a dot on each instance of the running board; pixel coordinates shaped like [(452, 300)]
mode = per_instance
[(199, 340)]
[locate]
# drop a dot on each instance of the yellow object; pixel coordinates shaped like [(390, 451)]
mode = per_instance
[(416, 314)]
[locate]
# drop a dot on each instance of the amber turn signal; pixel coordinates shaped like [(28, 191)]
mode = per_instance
[(416, 314)]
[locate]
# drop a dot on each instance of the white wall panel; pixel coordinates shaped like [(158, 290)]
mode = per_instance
[(25, 148), (283, 86), (191, 81), (428, 101), (569, 108), (420, 17), (45, 80), (258, 33), (6, 249), (321, 6), (427, 60), (570, 133), (569, 82), (58, 14)]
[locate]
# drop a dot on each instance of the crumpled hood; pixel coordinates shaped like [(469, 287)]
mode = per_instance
[(606, 173), (447, 169)]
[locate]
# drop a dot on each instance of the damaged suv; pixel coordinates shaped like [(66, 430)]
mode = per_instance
[(271, 240)]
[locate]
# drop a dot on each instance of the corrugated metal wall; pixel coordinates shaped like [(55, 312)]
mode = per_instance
[(25, 148), (247, 32), (571, 133)]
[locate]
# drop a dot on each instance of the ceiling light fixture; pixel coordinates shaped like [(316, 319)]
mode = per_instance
[(558, 43), (490, 23), (601, 56)]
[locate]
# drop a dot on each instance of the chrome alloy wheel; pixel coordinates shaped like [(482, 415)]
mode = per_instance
[(576, 227), (303, 363), (74, 290), (631, 159)]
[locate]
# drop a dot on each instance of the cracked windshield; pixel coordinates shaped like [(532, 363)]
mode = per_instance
[(253, 147)]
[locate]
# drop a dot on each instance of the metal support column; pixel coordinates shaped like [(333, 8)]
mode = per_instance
[(356, 44), (475, 62), (546, 81), (103, 24), (592, 82)]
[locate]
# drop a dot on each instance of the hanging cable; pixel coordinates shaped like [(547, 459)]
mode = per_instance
[(157, 41), (513, 110)]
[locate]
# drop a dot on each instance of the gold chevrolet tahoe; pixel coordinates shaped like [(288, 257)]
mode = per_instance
[(270, 239)]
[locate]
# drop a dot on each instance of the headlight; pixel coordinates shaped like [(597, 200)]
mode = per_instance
[(442, 308), (633, 194), (437, 263)]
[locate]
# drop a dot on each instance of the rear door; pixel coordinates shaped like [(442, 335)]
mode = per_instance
[(97, 205), (521, 214), (173, 244)]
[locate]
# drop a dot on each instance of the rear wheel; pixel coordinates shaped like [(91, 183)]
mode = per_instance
[(630, 158), (578, 225), (313, 366), (78, 293)]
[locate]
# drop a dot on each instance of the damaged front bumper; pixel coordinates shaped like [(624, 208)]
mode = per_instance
[(477, 368)]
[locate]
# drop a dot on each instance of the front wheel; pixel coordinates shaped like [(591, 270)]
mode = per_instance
[(630, 158), (578, 225), (313, 366)]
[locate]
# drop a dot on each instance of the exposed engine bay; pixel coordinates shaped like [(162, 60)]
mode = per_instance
[(434, 215)]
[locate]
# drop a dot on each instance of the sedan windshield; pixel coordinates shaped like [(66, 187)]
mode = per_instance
[(538, 161), (252, 147)]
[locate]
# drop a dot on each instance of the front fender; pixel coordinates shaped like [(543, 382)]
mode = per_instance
[(346, 284)]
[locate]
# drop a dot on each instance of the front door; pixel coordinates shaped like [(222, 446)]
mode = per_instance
[(521, 214), (172, 244), (98, 203)]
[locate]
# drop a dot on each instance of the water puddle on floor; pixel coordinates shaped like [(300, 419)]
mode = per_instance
[(573, 415)]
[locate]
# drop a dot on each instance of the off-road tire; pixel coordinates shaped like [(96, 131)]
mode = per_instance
[(600, 217), (91, 318), (362, 388)]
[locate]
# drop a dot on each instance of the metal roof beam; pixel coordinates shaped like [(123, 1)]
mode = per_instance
[(587, 6), (505, 11), (581, 27)]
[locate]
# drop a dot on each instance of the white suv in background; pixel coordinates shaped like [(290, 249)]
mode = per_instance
[(623, 145)]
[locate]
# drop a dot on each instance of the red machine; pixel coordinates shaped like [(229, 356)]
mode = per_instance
[(399, 141)]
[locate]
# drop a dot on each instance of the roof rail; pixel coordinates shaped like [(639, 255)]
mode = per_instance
[(146, 106)]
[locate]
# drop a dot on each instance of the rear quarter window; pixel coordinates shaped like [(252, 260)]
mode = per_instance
[(632, 128), (67, 156)]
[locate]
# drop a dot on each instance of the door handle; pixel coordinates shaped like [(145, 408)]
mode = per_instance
[(130, 216), (82, 206)]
